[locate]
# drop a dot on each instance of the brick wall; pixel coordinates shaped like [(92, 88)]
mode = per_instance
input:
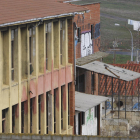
[(71, 60), (85, 22)]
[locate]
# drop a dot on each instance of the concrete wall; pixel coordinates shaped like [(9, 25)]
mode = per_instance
[(90, 127), (58, 137)]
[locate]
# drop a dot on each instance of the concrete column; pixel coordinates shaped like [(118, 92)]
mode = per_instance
[(58, 111), (51, 95), (8, 120), (35, 122), (1, 79), (18, 110), (27, 114), (65, 46), (9, 113)]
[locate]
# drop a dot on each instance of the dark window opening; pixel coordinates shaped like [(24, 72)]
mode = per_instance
[(68, 104), (13, 118), (62, 88), (55, 110), (92, 31), (39, 112), (31, 108), (95, 112), (61, 35), (83, 117), (4, 111), (47, 111), (12, 54), (92, 82), (80, 83), (79, 34), (22, 117), (79, 123), (97, 30), (46, 51)]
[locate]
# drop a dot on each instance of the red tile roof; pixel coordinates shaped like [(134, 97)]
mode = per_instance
[(131, 87), (19, 10)]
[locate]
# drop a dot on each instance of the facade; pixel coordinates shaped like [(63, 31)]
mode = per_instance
[(37, 72)]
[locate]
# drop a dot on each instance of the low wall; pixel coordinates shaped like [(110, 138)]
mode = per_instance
[(121, 127), (57, 137)]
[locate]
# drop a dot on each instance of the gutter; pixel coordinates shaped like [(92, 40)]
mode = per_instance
[(44, 18)]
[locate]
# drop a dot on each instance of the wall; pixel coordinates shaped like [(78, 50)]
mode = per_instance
[(121, 127), (90, 127), (57, 137), (41, 81), (87, 45)]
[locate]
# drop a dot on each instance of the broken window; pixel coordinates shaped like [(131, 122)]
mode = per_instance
[(22, 117), (62, 39), (4, 111), (13, 52), (32, 49)]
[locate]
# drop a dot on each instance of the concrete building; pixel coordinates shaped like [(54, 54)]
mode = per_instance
[(37, 72)]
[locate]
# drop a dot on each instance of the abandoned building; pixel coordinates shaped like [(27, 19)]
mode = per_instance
[(37, 67)]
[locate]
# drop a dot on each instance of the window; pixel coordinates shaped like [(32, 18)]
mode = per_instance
[(22, 117), (47, 107), (31, 108), (55, 110), (95, 113), (13, 118), (32, 49), (39, 112), (12, 54), (79, 34), (97, 30), (83, 117), (92, 31), (4, 111), (62, 39), (62, 88), (68, 104), (46, 46)]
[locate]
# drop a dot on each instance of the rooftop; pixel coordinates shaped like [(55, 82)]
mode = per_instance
[(24, 11), (90, 58), (84, 102)]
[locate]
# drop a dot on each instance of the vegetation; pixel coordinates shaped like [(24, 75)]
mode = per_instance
[(120, 59)]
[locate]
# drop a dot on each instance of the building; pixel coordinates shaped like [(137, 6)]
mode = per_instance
[(37, 72)]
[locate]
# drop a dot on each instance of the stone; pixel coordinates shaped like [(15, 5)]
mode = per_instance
[(122, 128)]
